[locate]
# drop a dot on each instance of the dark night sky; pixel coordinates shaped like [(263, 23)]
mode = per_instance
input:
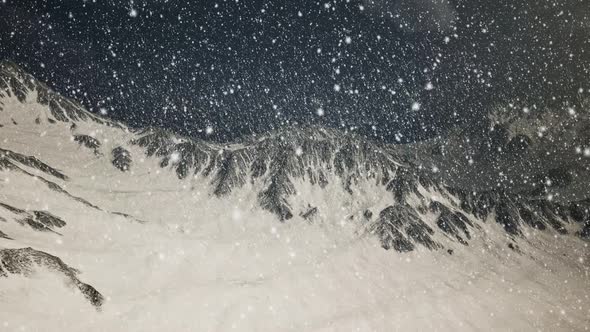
[(403, 67)]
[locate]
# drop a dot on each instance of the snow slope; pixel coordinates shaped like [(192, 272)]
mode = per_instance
[(107, 228)]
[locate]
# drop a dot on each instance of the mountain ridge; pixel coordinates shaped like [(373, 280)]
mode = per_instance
[(299, 203), (315, 155)]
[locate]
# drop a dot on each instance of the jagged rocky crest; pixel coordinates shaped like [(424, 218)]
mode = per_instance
[(276, 163), (316, 155), (320, 156), (14, 81), (26, 261)]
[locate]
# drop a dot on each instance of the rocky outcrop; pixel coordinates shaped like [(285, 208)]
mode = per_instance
[(88, 142), (12, 160), (4, 235), (37, 220), (400, 228), (26, 261), (121, 159), (14, 81), (453, 223)]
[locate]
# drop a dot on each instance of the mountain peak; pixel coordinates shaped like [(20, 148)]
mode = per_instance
[(9, 66), (43, 103)]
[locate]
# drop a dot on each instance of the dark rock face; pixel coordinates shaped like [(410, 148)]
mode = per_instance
[(89, 142), (26, 260), (14, 161), (121, 159), (400, 228), (516, 211), (38, 220), (48, 220), (453, 223), (11, 160), (4, 235), (16, 82), (309, 154), (550, 213), (273, 198), (12, 209), (514, 247), (229, 171), (531, 218), (278, 187), (508, 216), (310, 213), (402, 185), (318, 156), (156, 142)]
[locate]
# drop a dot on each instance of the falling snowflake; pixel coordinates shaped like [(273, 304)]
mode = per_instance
[(174, 157)]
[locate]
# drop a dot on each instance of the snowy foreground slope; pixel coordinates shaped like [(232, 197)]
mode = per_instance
[(103, 228)]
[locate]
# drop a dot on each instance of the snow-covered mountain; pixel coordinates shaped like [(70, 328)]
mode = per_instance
[(134, 230)]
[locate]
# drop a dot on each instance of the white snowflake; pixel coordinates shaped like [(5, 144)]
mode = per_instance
[(174, 157)]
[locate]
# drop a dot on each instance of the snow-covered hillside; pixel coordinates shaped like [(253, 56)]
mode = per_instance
[(107, 228)]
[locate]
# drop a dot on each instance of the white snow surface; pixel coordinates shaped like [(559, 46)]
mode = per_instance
[(201, 263)]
